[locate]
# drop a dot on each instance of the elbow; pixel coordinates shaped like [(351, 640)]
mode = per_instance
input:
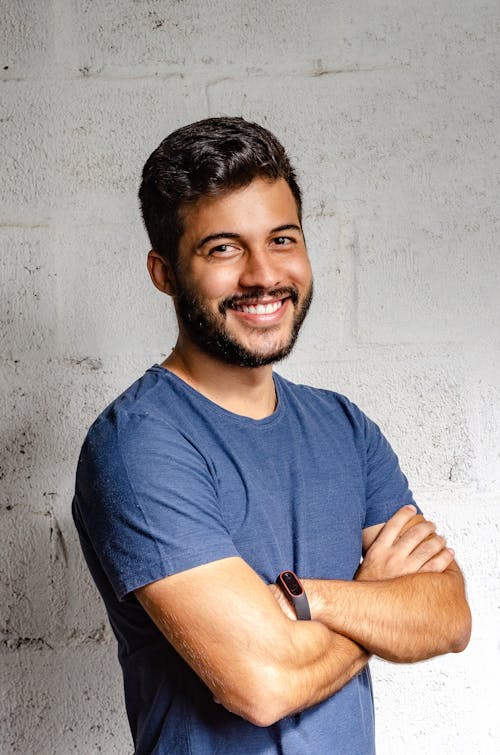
[(450, 634), (270, 709), (456, 618), (263, 717), (463, 630), (261, 699), (456, 629)]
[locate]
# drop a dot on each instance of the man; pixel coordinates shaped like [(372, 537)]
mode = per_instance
[(212, 475)]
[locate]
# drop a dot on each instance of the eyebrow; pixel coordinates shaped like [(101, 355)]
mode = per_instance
[(231, 235)]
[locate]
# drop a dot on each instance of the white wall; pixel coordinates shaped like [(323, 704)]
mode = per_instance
[(391, 112)]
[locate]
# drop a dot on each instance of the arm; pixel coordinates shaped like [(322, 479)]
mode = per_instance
[(407, 602), (220, 616), (258, 663)]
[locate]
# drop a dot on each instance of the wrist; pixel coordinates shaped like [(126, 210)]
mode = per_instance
[(318, 602), (330, 600), (293, 589)]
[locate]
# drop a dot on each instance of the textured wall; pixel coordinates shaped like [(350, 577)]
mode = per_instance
[(391, 111)]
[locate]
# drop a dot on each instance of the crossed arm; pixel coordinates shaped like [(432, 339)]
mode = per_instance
[(407, 603)]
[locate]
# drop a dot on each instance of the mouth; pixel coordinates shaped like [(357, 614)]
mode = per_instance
[(259, 309), (260, 303)]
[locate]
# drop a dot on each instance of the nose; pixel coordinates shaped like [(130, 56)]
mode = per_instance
[(260, 270)]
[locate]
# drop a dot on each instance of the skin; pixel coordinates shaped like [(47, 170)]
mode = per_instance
[(407, 600), (252, 256), (403, 556)]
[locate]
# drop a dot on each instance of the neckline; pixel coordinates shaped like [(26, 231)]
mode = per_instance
[(216, 408)]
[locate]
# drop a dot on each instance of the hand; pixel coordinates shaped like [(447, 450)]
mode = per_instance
[(406, 544)]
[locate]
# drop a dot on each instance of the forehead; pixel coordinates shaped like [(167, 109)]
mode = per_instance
[(262, 203)]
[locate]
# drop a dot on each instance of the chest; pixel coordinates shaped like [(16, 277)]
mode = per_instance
[(293, 499)]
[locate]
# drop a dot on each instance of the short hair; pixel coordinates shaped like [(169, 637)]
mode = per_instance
[(206, 158)]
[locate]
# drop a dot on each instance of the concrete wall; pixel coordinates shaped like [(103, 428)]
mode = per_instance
[(391, 111)]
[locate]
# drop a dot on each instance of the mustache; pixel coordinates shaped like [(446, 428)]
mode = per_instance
[(259, 293)]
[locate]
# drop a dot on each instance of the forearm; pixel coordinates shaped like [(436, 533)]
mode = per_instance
[(317, 663), (290, 666), (405, 619), (257, 661), (300, 666)]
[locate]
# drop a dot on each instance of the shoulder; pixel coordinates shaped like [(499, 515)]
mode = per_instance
[(144, 420), (321, 401), (151, 393)]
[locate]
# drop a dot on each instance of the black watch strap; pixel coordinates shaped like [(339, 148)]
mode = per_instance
[(292, 587)]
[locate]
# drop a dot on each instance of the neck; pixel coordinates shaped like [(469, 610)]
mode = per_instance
[(246, 391)]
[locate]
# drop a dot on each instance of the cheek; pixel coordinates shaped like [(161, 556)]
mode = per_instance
[(300, 271), (216, 284)]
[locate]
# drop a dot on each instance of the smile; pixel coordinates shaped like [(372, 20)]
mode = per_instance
[(260, 309)]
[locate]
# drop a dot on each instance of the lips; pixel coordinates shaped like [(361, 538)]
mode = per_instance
[(260, 302), (260, 309)]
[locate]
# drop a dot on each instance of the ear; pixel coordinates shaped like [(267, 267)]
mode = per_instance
[(161, 273)]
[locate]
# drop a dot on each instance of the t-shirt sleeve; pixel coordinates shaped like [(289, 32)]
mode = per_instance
[(147, 500), (387, 488)]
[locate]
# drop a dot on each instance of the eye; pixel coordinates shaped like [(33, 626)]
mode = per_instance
[(223, 250), (283, 240)]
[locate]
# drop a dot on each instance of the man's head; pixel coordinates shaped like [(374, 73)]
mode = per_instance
[(223, 211), (204, 159)]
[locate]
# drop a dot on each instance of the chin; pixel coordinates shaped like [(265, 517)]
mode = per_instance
[(244, 356)]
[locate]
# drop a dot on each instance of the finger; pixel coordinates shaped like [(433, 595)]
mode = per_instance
[(409, 554), (412, 522), (440, 562), (426, 550), (394, 526), (415, 536)]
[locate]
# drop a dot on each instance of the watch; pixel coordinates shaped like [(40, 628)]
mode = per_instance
[(291, 586)]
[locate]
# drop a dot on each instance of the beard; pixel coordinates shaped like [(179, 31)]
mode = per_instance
[(209, 333)]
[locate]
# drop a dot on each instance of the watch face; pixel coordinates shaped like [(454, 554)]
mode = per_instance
[(292, 583)]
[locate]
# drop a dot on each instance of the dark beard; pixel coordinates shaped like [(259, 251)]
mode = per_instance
[(204, 330)]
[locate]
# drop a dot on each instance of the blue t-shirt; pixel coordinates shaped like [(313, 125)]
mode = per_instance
[(167, 480)]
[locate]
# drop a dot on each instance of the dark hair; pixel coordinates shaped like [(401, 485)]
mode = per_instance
[(206, 158)]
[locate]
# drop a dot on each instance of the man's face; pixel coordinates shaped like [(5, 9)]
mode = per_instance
[(243, 279)]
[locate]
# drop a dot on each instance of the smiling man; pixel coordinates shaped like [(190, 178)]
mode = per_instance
[(257, 325), (254, 541)]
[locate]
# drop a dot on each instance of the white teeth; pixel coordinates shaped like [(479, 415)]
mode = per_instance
[(260, 309)]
